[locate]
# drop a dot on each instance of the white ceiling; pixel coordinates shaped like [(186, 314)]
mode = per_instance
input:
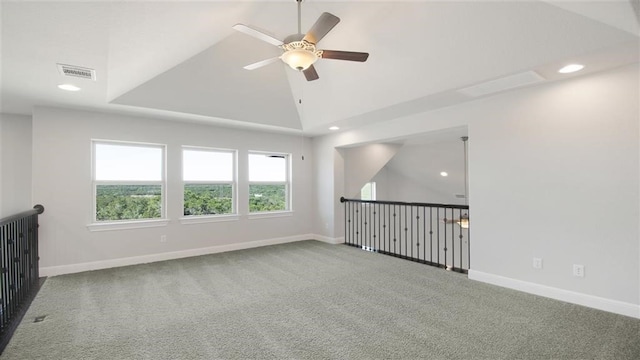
[(182, 60)]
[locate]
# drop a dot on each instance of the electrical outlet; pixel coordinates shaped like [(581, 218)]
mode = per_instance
[(578, 270), (537, 263), (163, 238)]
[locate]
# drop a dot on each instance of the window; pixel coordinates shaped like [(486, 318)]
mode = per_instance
[(128, 181), (209, 181), (368, 191), (269, 182)]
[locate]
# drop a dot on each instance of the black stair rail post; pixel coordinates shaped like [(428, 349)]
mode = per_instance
[(19, 271)]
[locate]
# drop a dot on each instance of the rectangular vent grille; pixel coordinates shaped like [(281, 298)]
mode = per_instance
[(460, 196), (77, 71)]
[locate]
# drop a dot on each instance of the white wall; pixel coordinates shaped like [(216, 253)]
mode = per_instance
[(554, 174), (393, 185), (362, 163), (62, 183), (15, 164)]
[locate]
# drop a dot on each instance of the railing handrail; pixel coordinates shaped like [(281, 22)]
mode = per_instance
[(37, 209), (448, 206)]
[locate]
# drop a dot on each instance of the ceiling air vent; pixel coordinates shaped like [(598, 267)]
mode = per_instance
[(77, 71)]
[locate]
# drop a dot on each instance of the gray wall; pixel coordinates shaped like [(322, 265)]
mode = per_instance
[(62, 183), (553, 173), (15, 164)]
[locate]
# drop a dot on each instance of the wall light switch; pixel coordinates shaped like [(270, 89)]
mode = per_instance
[(537, 263)]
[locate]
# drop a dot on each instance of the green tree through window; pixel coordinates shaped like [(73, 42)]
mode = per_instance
[(209, 181), (269, 183), (128, 180)]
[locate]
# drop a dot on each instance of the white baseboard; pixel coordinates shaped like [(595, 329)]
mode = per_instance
[(135, 260), (614, 306), (328, 240)]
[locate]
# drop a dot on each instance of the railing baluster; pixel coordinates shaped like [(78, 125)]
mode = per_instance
[(395, 229), (418, 244), (376, 232), (431, 234), (371, 244), (424, 233), (453, 240), (405, 231), (438, 233), (358, 222), (461, 229), (411, 220), (365, 241), (444, 237), (388, 214), (383, 217)]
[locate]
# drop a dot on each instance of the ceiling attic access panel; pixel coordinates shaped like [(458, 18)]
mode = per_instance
[(213, 83)]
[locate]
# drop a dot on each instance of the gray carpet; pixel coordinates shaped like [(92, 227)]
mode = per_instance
[(306, 300)]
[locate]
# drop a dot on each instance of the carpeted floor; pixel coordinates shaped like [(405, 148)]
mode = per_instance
[(306, 300)]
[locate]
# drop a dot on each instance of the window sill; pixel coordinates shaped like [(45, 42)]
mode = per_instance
[(208, 219), (268, 215), (127, 225)]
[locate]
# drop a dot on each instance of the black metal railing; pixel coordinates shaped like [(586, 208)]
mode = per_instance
[(433, 234), (19, 277)]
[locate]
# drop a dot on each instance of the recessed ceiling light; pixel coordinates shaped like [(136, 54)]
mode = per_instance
[(444, 173), (68, 87), (334, 128), (571, 68)]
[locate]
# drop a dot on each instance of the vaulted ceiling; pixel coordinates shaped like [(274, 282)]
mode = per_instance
[(183, 61)]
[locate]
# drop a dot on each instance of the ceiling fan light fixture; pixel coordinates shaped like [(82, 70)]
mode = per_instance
[(299, 59), (299, 55)]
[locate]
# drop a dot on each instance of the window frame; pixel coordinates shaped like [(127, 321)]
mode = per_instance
[(104, 224), (287, 183), (373, 191), (233, 183)]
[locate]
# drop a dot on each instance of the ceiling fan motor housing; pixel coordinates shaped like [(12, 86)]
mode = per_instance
[(293, 37)]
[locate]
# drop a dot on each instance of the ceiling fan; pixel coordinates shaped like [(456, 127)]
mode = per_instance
[(300, 51)]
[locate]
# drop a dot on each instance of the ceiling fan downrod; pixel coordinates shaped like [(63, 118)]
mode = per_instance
[(299, 16)]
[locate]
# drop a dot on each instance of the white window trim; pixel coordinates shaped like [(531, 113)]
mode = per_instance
[(198, 219), (269, 214), (374, 195), (203, 219), (287, 183), (97, 225), (127, 224)]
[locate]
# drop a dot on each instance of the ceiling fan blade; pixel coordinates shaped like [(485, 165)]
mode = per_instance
[(262, 63), (257, 34), (345, 55), (311, 73), (323, 25)]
